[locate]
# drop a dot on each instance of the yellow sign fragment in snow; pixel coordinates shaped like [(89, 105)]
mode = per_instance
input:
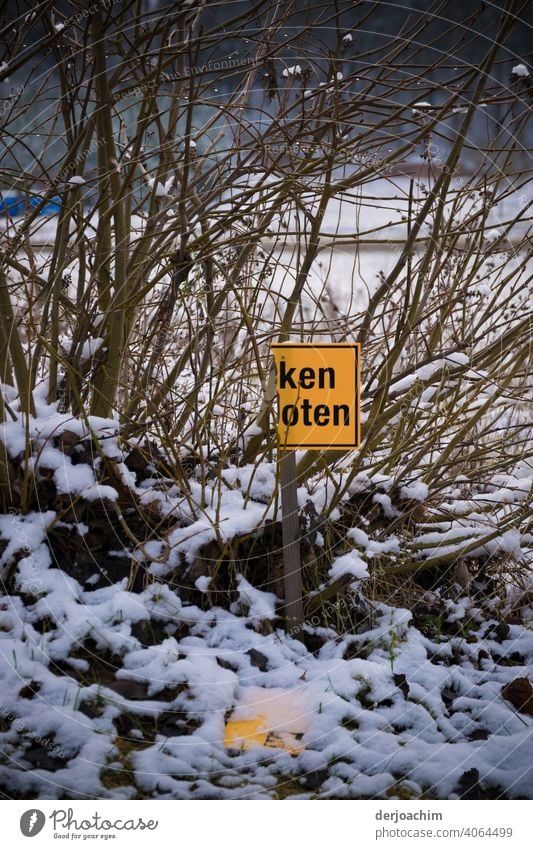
[(244, 733), (273, 718)]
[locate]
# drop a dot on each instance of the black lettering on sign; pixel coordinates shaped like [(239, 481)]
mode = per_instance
[(285, 377), (289, 415), (307, 377), (321, 415)]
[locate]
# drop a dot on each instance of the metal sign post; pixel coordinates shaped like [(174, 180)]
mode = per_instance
[(318, 394), (290, 525)]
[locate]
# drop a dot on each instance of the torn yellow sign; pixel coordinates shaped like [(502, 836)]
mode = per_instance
[(280, 725), (246, 733)]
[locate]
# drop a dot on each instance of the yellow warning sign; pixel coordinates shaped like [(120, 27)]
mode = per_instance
[(318, 395)]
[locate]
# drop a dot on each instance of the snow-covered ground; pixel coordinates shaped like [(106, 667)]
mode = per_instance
[(115, 686), (388, 713)]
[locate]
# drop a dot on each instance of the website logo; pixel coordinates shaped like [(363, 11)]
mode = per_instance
[(32, 822)]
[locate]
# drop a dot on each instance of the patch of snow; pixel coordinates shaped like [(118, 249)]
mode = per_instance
[(421, 107), (349, 564), (260, 605), (416, 491), (387, 506), (457, 359), (99, 491), (359, 537), (88, 348), (403, 384), (202, 583), (294, 71), (164, 189)]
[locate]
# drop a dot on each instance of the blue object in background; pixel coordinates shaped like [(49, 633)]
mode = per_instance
[(16, 205), (51, 207), (11, 205)]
